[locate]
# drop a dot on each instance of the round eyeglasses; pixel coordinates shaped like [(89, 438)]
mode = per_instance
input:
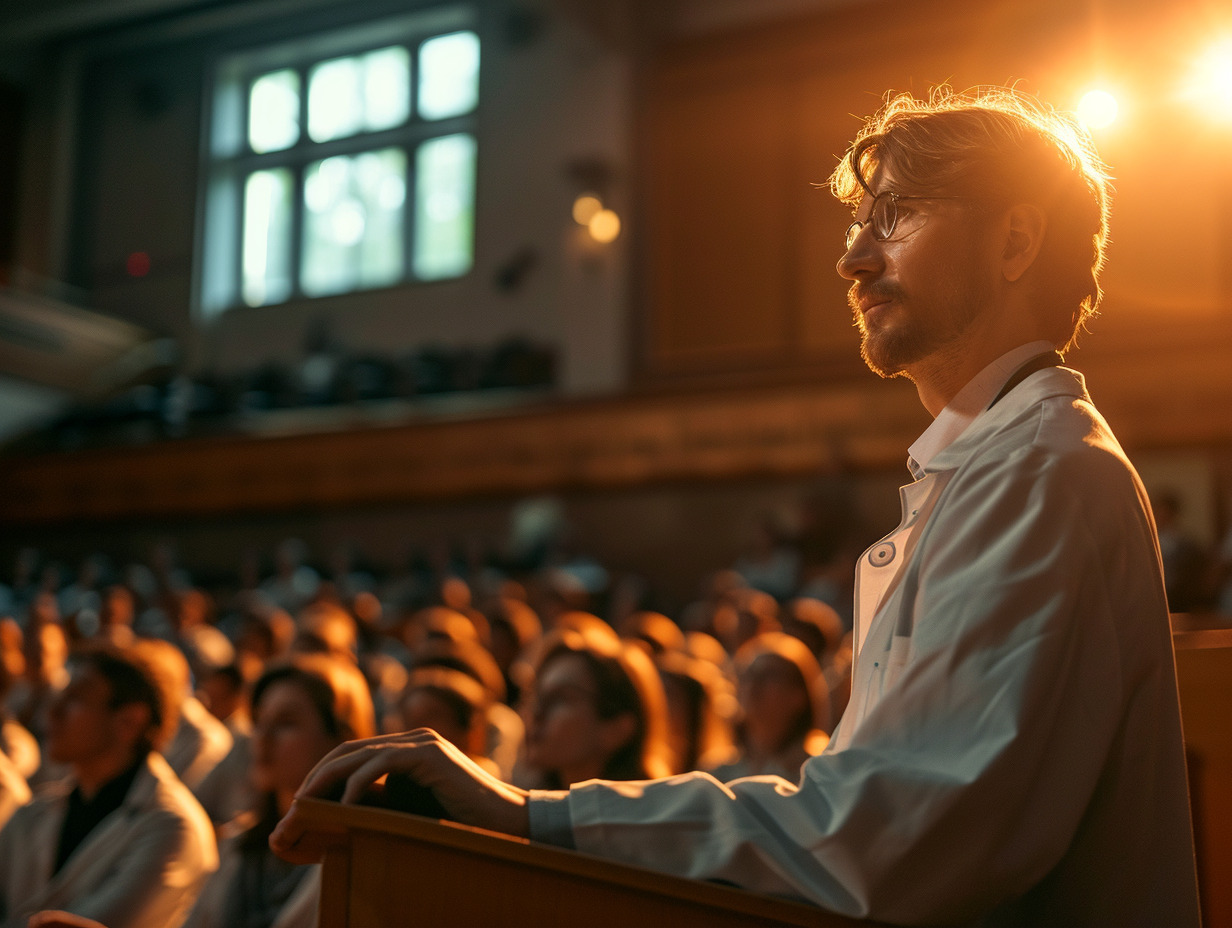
[(883, 216)]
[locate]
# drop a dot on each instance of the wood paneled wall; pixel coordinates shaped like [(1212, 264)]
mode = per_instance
[(737, 129)]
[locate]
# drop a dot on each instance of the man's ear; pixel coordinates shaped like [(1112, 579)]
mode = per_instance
[(1025, 227)]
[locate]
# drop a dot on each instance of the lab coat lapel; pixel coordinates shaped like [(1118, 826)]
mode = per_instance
[(881, 568), (106, 841)]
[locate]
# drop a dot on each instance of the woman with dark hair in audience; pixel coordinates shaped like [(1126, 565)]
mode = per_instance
[(700, 704), (301, 711), (597, 710), (513, 627), (785, 708)]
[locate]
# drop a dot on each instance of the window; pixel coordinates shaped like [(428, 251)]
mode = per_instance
[(342, 163)]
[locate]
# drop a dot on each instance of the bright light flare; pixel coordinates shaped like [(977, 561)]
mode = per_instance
[(585, 207), (604, 226), (1097, 109), (1211, 86)]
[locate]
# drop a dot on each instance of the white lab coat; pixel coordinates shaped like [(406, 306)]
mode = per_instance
[(141, 867), (1012, 750)]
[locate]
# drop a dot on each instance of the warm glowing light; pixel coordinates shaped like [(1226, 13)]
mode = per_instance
[(585, 207), (1212, 81), (1097, 109), (604, 226)]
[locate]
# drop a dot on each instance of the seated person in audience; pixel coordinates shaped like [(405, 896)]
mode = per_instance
[(122, 840), (784, 708), (200, 741), (815, 623), (436, 623), (14, 791), (264, 632), (301, 711), (44, 650), (454, 705), (225, 791), (504, 730), (659, 632), (756, 614), (597, 710), (820, 627), (513, 627), (16, 743), (326, 628), (188, 613), (700, 704), (117, 610)]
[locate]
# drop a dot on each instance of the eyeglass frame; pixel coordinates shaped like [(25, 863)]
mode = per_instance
[(855, 228)]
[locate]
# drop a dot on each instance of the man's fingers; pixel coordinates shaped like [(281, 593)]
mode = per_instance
[(378, 763), (342, 762)]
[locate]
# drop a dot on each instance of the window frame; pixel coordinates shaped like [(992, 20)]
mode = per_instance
[(227, 158)]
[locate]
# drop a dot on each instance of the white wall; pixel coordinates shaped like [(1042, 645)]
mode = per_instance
[(548, 101)]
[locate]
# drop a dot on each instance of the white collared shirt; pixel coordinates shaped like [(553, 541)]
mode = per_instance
[(968, 403)]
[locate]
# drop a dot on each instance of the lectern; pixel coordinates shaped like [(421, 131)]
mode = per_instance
[(387, 869)]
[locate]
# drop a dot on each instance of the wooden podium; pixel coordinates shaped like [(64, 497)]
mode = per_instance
[(1204, 675), (387, 869)]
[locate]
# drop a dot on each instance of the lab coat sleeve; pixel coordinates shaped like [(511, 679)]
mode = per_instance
[(990, 718)]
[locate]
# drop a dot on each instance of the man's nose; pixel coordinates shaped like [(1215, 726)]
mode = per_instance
[(862, 258)]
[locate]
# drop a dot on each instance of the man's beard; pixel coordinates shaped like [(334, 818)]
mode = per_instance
[(889, 350)]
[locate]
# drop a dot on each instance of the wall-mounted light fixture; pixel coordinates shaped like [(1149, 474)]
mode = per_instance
[(592, 177)]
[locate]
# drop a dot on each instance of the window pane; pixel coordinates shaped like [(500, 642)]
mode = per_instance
[(387, 88), (448, 75), (353, 222), (335, 101), (273, 111), (444, 207), (267, 237)]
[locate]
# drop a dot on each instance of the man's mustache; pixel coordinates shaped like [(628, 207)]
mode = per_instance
[(870, 294)]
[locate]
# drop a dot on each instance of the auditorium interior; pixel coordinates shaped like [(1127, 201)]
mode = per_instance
[(569, 294)]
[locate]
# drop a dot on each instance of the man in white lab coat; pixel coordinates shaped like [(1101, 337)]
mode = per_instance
[(122, 841), (1012, 750)]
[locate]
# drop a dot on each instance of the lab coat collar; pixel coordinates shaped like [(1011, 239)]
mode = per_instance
[(1042, 385), (968, 403)]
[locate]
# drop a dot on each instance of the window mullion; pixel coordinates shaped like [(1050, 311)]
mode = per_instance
[(304, 153), (240, 175), (409, 206)]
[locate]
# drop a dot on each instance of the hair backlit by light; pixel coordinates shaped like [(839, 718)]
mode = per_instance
[(1212, 81), (604, 226), (1097, 109), (585, 207)]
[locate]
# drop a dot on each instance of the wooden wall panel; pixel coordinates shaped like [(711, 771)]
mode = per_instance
[(859, 427), (723, 269)]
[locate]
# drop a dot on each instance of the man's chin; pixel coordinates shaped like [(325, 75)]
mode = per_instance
[(884, 367)]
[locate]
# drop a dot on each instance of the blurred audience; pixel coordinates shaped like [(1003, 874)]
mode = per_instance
[(505, 655)]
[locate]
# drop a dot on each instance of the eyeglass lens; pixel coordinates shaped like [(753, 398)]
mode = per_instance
[(882, 217)]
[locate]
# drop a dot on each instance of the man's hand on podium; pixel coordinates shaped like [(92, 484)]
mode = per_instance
[(467, 792)]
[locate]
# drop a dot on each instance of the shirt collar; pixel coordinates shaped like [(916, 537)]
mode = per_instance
[(967, 404)]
